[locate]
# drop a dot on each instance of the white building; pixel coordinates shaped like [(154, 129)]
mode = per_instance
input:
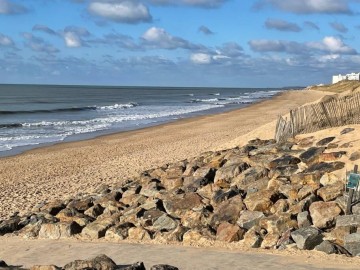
[(350, 77)]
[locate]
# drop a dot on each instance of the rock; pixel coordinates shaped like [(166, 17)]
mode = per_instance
[(73, 215), (261, 201), (3, 264), (352, 243), (197, 236), (101, 262), (138, 234), (346, 130), (248, 219), (325, 141), (270, 241), (151, 216), (192, 219), (205, 172), (303, 219), (98, 228), (311, 154), (332, 146), (285, 240), (172, 183), (165, 223), (323, 214), (285, 160), (326, 247), (135, 266), (227, 232), (163, 267), (226, 174), (81, 205), (331, 192), (252, 238), (220, 195), (94, 211), (45, 267), (306, 142), (228, 211), (324, 167), (176, 206), (59, 230), (281, 206), (348, 221), (175, 172), (9, 226), (355, 156), (119, 232), (278, 224), (355, 209), (53, 208), (329, 179), (250, 176), (307, 238)]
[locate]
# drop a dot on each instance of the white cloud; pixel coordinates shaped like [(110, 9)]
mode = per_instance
[(6, 41), (158, 38), (201, 58), (72, 40), (121, 11), (333, 45), (309, 6)]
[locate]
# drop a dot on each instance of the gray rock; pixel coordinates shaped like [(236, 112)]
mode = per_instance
[(165, 223), (284, 161), (348, 220), (163, 267), (326, 247), (303, 219), (226, 174), (248, 219), (311, 154), (325, 141), (307, 238), (135, 266), (101, 262), (352, 243), (346, 130)]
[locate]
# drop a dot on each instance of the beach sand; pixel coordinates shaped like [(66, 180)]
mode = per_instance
[(66, 169)]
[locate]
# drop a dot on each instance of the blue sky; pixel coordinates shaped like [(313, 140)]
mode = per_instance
[(220, 43)]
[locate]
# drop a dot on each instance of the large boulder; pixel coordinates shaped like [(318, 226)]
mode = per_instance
[(225, 175), (307, 238), (98, 228), (228, 211), (323, 214), (352, 243), (59, 230), (248, 219), (227, 232), (261, 200), (331, 192), (101, 262), (177, 205)]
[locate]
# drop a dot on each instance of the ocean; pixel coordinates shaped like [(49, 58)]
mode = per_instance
[(37, 115)]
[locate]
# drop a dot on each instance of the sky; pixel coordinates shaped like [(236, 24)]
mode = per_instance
[(209, 43)]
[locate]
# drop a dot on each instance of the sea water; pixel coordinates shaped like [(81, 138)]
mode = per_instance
[(35, 115)]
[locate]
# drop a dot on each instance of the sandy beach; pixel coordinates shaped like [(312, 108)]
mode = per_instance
[(65, 169)]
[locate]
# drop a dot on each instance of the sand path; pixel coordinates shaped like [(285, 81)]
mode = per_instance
[(68, 168), (30, 252)]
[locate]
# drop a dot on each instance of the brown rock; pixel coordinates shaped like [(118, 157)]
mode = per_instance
[(138, 234), (270, 241), (252, 238), (226, 174), (98, 228), (323, 214), (331, 192), (227, 232), (118, 232), (278, 224), (172, 183), (45, 267), (261, 201), (176, 206), (59, 230), (228, 211)]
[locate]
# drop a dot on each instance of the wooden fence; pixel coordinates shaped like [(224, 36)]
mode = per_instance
[(333, 112)]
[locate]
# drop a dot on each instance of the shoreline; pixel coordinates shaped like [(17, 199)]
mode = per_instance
[(64, 169), (108, 133)]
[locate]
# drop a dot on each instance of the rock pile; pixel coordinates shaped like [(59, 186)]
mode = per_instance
[(263, 194), (101, 262)]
